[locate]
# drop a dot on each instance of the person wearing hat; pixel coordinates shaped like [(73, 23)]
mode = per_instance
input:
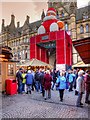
[(80, 88), (87, 86)]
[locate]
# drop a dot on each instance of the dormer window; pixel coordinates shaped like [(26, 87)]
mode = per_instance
[(81, 29), (85, 15), (87, 28)]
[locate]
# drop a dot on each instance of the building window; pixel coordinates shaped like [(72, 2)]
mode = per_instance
[(10, 69), (87, 28), (66, 26), (26, 54), (85, 15), (62, 14), (24, 40), (19, 57), (81, 29)]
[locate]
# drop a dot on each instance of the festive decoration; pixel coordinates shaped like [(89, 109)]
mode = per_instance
[(50, 22), (50, 38)]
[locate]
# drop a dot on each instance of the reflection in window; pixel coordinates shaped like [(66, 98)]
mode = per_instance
[(62, 14), (19, 55), (87, 28), (10, 69), (81, 29), (66, 26)]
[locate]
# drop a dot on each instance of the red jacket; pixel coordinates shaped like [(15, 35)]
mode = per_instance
[(47, 81)]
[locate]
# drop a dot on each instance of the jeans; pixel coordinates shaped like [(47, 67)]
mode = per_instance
[(87, 96), (37, 86), (71, 86), (47, 93), (40, 85), (19, 86), (53, 85), (29, 87), (23, 87), (79, 98)]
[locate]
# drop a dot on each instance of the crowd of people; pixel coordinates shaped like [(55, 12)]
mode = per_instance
[(44, 81)]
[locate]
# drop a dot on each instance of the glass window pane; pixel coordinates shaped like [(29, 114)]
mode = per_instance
[(10, 69)]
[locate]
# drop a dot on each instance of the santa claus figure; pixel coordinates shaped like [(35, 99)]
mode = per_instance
[(50, 22)]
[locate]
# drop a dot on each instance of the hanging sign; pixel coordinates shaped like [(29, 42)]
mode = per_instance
[(45, 37)]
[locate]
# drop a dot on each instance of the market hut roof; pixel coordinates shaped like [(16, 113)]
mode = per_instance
[(36, 62), (81, 64)]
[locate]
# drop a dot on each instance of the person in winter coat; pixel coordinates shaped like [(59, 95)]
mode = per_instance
[(61, 82), (37, 78), (87, 86), (80, 87), (47, 84), (29, 80), (19, 79), (24, 80), (54, 76), (71, 80), (41, 82)]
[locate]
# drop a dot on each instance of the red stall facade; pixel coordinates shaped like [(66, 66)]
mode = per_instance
[(60, 40), (51, 37)]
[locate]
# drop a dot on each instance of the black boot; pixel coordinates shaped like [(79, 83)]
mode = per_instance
[(27, 92), (30, 91)]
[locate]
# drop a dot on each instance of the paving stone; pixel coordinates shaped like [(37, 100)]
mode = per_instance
[(34, 106)]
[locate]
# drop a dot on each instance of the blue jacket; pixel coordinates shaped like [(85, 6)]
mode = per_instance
[(29, 79), (62, 81), (71, 77)]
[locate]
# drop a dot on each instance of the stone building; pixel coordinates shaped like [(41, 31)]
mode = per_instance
[(76, 23)]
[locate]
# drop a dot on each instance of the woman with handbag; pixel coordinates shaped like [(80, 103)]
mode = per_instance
[(61, 84)]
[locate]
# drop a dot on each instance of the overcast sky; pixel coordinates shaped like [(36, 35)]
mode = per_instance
[(21, 8)]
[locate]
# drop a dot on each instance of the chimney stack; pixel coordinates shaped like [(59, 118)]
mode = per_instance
[(27, 19), (3, 21), (18, 24)]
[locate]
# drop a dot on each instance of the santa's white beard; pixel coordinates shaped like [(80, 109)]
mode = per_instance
[(49, 18)]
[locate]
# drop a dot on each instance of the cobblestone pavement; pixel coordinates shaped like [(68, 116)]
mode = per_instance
[(34, 106)]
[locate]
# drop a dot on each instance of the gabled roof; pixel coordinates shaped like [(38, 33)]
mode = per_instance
[(80, 11), (35, 24)]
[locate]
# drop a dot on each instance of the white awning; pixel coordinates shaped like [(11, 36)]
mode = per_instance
[(81, 64), (35, 62)]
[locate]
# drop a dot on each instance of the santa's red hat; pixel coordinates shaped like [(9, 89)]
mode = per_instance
[(51, 10)]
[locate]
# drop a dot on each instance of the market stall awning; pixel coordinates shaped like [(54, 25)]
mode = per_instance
[(83, 48), (80, 64), (35, 62)]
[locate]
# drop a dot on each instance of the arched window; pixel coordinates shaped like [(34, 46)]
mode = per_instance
[(87, 28), (26, 54), (81, 29), (66, 26)]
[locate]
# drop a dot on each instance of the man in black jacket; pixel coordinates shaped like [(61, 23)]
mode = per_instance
[(19, 79)]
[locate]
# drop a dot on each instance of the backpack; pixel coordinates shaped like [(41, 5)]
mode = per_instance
[(37, 76)]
